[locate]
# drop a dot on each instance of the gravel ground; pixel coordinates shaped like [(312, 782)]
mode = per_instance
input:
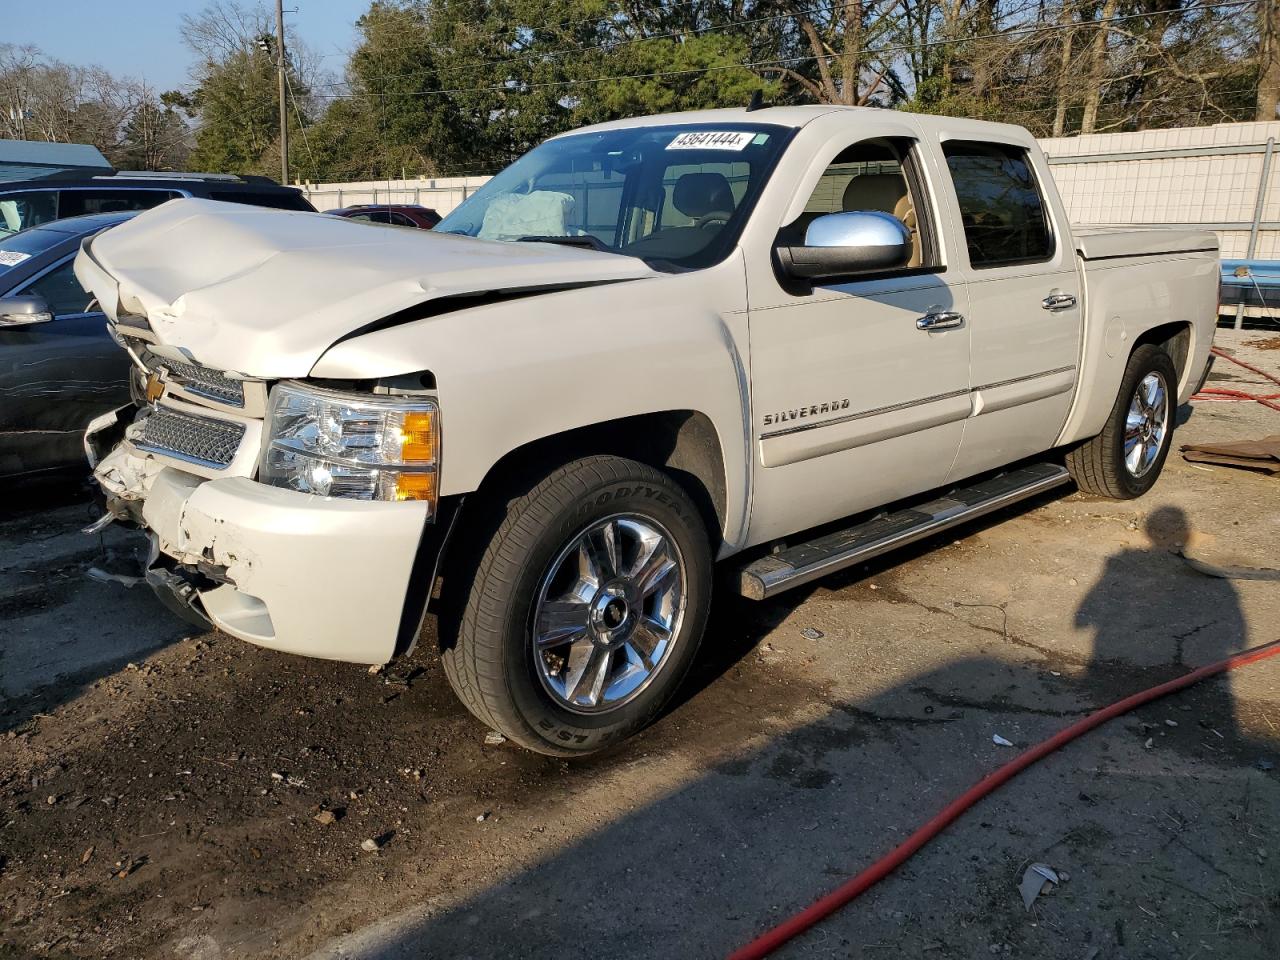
[(169, 795)]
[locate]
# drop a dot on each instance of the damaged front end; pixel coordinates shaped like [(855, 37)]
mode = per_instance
[(123, 482), (274, 565)]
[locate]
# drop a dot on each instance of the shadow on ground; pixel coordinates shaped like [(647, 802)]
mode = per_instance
[(1147, 817), (60, 632), (767, 784)]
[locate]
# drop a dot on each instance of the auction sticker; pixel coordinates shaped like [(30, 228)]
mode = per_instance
[(711, 140), (11, 258)]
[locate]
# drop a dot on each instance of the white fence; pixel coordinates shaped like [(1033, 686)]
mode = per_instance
[(1218, 178), (440, 193)]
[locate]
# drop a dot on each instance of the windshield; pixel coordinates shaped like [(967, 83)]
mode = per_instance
[(675, 196), (17, 248)]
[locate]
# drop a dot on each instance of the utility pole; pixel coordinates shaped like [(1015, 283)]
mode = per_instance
[(280, 84)]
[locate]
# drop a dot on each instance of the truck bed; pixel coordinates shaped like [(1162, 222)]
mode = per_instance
[(1108, 243)]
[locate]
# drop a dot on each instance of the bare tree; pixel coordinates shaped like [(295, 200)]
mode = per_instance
[(1268, 59)]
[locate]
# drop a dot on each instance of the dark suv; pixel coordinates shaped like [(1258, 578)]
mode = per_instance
[(33, 202)]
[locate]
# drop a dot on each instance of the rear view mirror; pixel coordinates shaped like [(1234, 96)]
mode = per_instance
[(22, 311), (847, 244)]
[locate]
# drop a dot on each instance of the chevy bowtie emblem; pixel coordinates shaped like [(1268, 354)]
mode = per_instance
[(155, 387)]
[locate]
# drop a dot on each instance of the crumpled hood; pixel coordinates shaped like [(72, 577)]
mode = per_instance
[(266, 292)]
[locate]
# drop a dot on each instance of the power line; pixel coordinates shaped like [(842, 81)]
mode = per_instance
[(302, 127)]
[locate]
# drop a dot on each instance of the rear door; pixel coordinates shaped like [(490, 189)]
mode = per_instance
[(1024, 302), (55, 377)]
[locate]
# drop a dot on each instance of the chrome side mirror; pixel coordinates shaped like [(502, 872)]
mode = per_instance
[(848, 244), (24, 310)]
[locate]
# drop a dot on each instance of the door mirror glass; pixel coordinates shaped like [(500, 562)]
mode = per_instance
[(848, 244), (23, 311)]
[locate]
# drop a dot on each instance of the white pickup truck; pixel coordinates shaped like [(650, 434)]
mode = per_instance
[(782, 340)]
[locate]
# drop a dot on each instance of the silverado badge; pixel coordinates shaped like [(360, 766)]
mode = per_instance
[(813, 410)]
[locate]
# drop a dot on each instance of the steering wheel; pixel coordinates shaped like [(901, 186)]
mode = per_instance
[(714, 216)]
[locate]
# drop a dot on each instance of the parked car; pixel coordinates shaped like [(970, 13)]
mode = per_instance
[(396, 214), (784, 340), (25, 204), (59, 367)]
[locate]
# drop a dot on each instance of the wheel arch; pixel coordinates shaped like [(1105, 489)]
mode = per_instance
[(682, 443), (1175, 339)]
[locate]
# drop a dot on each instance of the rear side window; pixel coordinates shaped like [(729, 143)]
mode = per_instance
[(28, 208), (1001, 206), (75, 203), (279, 200)]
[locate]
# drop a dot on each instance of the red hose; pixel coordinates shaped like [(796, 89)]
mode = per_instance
[(1213, 393), (765, 944), (1218, 352)]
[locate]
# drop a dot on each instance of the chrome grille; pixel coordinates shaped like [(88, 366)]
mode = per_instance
[(199, 380), (201, 440)]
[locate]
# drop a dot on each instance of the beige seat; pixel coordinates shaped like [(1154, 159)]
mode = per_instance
[(886, 192)]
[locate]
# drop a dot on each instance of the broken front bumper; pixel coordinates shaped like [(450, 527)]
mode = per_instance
[(310, 575)]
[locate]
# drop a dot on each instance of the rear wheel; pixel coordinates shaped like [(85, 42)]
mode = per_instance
[(1124, 461), (586, 608)]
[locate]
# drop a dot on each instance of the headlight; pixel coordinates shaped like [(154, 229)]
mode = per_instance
[(357, 446)]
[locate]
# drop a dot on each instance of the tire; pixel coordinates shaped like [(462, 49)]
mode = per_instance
[(1103, 466), (549, 573)]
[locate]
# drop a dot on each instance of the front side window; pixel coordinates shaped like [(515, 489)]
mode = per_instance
[(1001, 207), (865, 176), (26, 208), (674, 196), (61, 290)]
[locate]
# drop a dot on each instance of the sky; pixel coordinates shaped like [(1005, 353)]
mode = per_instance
[(139, 38)]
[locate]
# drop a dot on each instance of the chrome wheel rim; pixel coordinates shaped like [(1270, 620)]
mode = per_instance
[(607, 613), (1146, 425)]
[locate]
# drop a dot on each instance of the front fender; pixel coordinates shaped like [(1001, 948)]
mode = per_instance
[(511, 373)]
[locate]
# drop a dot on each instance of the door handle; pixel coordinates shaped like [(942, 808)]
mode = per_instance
[(941, 320), (1058, 301)]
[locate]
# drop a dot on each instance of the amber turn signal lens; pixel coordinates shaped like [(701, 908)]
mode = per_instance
[(417, 438), (416, 486)]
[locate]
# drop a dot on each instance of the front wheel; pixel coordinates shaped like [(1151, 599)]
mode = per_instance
[(586, 608), (1124, 460)]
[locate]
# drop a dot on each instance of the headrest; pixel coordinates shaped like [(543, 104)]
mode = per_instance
[(697, 194), (874, 191)]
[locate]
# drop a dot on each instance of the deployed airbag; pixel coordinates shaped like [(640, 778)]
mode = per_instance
[(515, 215)]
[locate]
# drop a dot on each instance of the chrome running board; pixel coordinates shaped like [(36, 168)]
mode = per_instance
[(803, 562)]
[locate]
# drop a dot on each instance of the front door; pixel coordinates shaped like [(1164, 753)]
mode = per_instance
[(55, 377), (853, 404), (1025, 309)]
